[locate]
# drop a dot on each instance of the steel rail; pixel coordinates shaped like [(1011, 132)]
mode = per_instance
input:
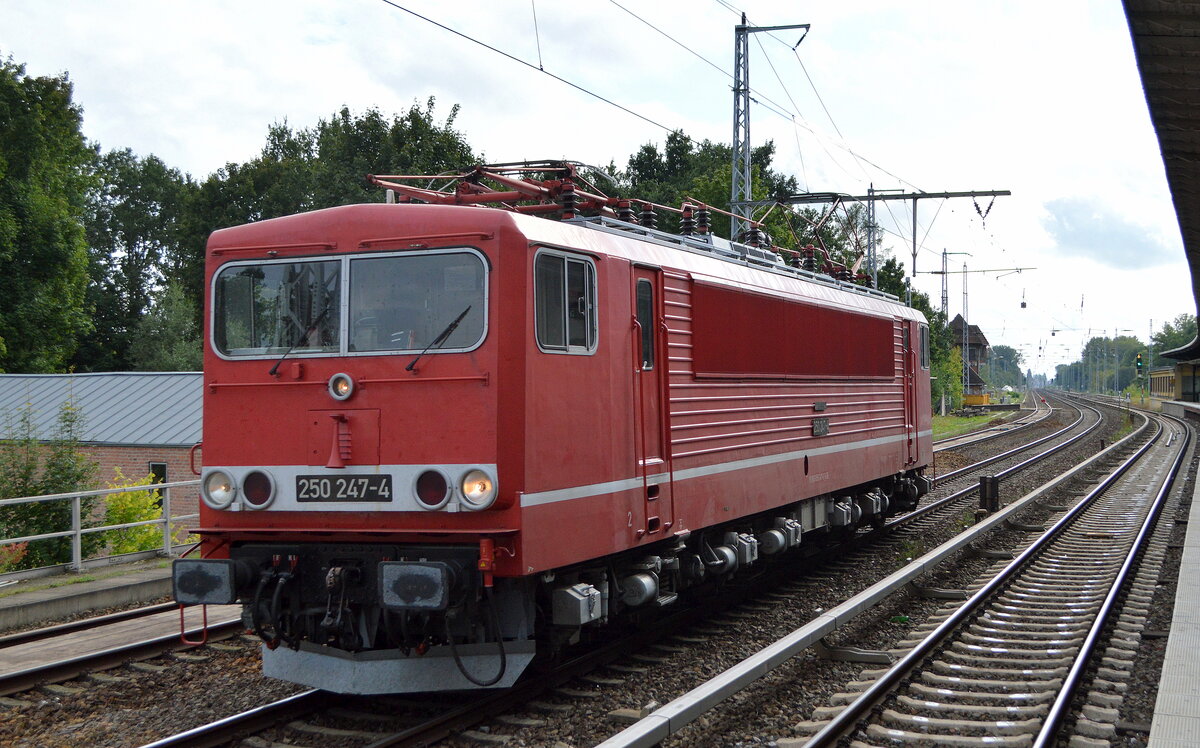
[(686, 708), (845, 720), (1074, 677), (945, 500), (1002, 430), (47, 632), (442, 725), (996, 458), (60, 670), (233, 727)]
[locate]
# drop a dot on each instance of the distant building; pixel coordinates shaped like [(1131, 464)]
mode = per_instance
[(974, 355), (144, 423)]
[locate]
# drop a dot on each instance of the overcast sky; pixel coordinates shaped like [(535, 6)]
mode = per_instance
[(1039, 98)]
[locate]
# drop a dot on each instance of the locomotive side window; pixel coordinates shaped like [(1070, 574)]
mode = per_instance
[(645, 318), (267, 309), (405, 302), (564, 303), (924, 346)]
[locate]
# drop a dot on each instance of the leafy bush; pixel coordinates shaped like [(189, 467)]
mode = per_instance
[(11, 555), (31, 467), (123, 507)]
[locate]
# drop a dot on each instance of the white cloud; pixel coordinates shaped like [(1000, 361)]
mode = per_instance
[(1039, 98)]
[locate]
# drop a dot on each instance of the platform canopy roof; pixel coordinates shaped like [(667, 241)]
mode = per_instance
[(1166, 44)]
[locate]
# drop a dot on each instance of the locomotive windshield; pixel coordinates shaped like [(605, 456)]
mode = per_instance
[(360, 304), (402, 303), (267, 309)]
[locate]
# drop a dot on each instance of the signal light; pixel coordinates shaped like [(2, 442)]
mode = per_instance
[(433, 492), (1139, 362)]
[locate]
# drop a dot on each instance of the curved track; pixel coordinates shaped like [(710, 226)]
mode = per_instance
[(1002, 668), (691, 706), (1040, 411)]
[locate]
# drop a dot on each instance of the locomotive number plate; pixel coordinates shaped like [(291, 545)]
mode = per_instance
[(343, 488)]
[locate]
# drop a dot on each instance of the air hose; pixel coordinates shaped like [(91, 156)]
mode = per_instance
[(499, 641)]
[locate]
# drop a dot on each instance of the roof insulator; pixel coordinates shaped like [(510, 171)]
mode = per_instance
[(687, 223), (649, 218)]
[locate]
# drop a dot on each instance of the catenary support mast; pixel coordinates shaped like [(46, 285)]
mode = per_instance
[(741, 193)]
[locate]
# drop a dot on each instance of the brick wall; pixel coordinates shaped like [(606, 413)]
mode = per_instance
[(134, 462)]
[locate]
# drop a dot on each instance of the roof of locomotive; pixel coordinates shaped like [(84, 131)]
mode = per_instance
[(711, 259), (708, 258)]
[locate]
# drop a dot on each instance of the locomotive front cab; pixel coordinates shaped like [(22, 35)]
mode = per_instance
[(351, 492)]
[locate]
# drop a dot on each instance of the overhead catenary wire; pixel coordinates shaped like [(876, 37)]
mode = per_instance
[(530, 65), (537, 34), (795, 119)]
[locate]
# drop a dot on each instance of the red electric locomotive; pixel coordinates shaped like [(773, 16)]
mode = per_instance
[(435, 434)]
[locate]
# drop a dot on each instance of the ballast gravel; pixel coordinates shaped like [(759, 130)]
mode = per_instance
[(145, 706)]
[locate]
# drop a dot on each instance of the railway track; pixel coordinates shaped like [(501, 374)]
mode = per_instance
[(1063, 433), (1007, 663), (1040, 411), (58, 653), (279, 721), (83, 624), (957, 664)]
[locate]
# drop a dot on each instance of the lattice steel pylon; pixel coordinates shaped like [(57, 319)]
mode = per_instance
[(741, 194)]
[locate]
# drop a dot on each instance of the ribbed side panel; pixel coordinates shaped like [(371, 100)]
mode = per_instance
[(721, 420)]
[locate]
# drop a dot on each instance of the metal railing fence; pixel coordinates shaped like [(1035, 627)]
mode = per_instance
[(77, 530)]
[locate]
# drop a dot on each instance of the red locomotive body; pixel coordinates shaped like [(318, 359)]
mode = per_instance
[(435, 434)]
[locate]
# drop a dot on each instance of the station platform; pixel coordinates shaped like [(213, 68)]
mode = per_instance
[(1176, 722), (31, 601)]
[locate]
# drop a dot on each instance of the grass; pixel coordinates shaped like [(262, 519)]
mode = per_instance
[(73, 579), (1126, 428), (945, 426)]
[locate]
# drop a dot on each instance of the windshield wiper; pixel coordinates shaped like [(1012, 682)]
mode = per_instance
[(441, 338), (311, 329)]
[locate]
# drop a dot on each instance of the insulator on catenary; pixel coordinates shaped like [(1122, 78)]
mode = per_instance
[(649, 219), (687, 223)]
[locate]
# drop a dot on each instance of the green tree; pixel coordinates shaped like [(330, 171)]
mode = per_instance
[(167, 338), (685, 168), (1004, 367), (45, 171), (948, 377), (30, 466), (312, 168), (1174, 334), (133, 218), (946, 380)]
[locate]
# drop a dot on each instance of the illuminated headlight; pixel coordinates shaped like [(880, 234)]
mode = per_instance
[(478, 490), (257, 489), (219, 490), (341, 386)]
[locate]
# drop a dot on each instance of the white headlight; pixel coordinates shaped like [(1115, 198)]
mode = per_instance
[(478, 490), (341, 386), (219, 490)]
